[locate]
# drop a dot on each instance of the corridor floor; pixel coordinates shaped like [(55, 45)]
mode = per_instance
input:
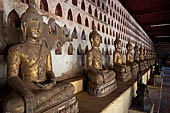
[(165, 99)]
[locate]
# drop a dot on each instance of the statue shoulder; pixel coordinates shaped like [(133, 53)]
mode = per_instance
[(115, 53), (16, 48), (90, 52)]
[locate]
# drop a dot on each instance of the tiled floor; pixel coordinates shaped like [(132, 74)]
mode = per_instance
[(165, 100)]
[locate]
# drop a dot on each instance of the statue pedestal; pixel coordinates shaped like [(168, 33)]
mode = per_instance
[(135, 110), (3, 67), (117, 101)]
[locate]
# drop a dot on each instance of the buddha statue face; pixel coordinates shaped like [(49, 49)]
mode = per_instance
[(95, 41), (33, 29), (136, 49), (129, 47), (118, 44)]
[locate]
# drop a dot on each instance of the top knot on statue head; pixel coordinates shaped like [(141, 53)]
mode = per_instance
[(94, 33), (31, 3), (31, 13)]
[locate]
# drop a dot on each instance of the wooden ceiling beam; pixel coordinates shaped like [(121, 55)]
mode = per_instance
[(148, 11)]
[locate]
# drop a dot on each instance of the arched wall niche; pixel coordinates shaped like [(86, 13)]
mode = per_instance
[(90, 10), (74, 34), (96, 13), (83, 5), (70, 49), (70, 15), (79, 19), (79, 50), (86, 49), (74, 2), (103, 52), (101, 40), (58, 50), (98, 27), (52, 26), (58, 10), (83, 35), (13, 19), (25, 1), (86, 22), (93, 24), (44, 5)]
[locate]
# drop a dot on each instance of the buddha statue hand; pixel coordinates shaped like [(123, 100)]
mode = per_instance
[(48, 85), (29, 100), (101, 72)]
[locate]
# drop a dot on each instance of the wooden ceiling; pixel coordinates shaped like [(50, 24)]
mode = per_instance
[(149, 13)]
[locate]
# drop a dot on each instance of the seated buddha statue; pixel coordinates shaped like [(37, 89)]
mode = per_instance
[(146, 59), (30, 74), (101, 81), (141, 63), (122, 70), (130, 60)]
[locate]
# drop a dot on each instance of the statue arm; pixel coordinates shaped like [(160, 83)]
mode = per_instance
[(49, 70), (115, 59), (89, 61), (13, 62)]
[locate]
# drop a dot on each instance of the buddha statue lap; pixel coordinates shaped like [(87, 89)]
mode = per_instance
[(30, 74), (100, 81), (123, 71), (130, 60)]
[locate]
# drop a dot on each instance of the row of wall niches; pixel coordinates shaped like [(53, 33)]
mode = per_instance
[(109, 12)]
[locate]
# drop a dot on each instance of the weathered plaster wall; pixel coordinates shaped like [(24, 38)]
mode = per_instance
[(120, 25)]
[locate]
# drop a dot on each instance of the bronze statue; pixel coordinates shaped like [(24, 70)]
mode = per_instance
[(146, 59), (100, 81), (123, 72), (130, 60), (141, 62), (30, 74), (142, 100)]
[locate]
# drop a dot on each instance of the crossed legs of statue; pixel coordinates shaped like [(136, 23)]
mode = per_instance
[(99, 79), (44, 98)]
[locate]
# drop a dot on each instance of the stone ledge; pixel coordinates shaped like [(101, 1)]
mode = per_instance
[(117, 101), (134, 110)]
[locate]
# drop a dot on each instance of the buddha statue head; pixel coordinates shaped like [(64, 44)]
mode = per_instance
[(94, 38), (117, 44), (141, 50), (31, 22), (129, 46)]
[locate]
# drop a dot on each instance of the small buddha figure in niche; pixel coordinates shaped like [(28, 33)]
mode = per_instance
[(130, 60), (101, 81), (122, 70), (52, 26), (30, 74)]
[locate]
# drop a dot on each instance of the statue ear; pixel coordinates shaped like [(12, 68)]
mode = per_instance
[(23, 28), (91, 40)]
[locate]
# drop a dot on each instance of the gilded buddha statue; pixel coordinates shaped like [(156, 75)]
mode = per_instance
[(122, 70), (101, 81), (142, 60), (30, 74), (130, 60), (146, 59)]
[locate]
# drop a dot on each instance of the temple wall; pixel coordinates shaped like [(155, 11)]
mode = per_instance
[(111, 22)]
